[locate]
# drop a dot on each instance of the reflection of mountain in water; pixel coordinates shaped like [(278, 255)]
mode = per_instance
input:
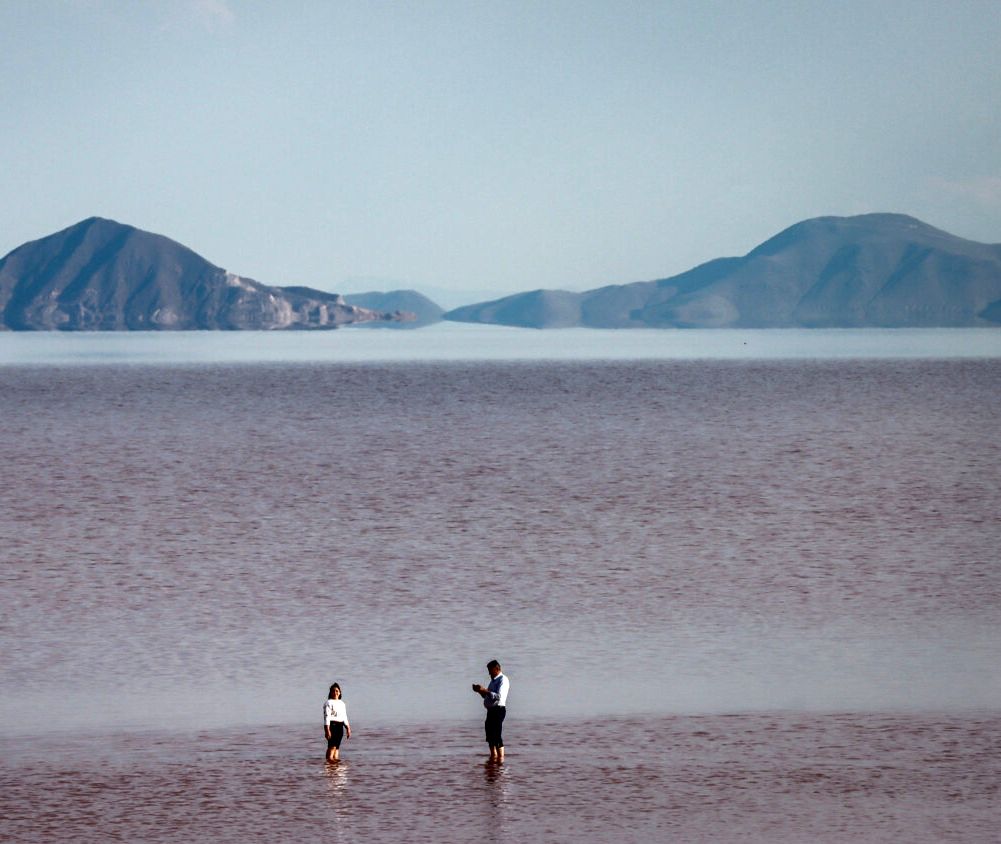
[(875, 270)]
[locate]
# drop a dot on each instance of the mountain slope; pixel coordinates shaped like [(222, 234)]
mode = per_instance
[(873, 270), (423, 309), (102, 275)]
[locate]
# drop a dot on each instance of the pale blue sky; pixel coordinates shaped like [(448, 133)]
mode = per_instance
[(493, 146)]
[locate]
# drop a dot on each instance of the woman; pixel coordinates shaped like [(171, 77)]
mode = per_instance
[(335, 723)]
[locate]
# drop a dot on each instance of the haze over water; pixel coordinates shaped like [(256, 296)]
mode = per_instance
[(763, 579)]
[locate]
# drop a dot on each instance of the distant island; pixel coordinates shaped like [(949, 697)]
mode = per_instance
[(421, 309), (99, 275), (867, 271)]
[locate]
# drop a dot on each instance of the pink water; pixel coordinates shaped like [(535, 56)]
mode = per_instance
[(757, 778), (737, 600)]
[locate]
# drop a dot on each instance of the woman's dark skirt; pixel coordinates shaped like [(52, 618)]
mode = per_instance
[(336, 734)]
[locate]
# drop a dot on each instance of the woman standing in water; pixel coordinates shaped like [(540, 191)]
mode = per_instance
[(335, 723)]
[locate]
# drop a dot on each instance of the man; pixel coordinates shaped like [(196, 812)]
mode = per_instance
[(495, 700)]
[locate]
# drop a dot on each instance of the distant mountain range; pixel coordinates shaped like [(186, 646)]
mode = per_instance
[(873, 270), (100, 275), (423, 310)]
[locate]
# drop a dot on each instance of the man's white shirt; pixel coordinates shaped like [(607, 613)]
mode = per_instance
[(497, 692)]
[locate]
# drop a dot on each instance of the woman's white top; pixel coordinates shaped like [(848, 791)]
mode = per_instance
[(334, 710)]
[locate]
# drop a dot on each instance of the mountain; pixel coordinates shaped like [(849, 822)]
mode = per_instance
[(99, 275), (873, 270), (410, 301)]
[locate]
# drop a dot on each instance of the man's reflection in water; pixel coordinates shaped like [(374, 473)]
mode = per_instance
[(493, 773), (496, 788)]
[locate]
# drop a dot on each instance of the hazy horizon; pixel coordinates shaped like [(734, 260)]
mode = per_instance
[(474, 147)]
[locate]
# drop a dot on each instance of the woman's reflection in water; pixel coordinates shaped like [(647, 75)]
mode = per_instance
[(336, 774), (337, 777)]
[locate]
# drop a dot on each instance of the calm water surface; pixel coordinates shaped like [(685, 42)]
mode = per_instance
[(450, 341), (745, 778), (738, 600)]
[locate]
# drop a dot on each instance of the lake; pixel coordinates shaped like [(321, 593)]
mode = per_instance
[(465, 341), (744, 593)]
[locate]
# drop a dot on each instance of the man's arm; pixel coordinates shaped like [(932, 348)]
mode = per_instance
[(486, 694)]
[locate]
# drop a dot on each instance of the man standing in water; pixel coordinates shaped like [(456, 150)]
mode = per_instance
[(495, 700)]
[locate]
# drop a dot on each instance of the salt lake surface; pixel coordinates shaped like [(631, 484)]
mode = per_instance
[(739, 599)]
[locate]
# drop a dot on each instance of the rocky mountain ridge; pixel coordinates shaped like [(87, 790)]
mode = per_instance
[(100, 275), (872, 270)]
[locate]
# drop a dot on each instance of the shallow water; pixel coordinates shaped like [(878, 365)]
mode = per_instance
[(708, 536), (691, 570), (778, 777)]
